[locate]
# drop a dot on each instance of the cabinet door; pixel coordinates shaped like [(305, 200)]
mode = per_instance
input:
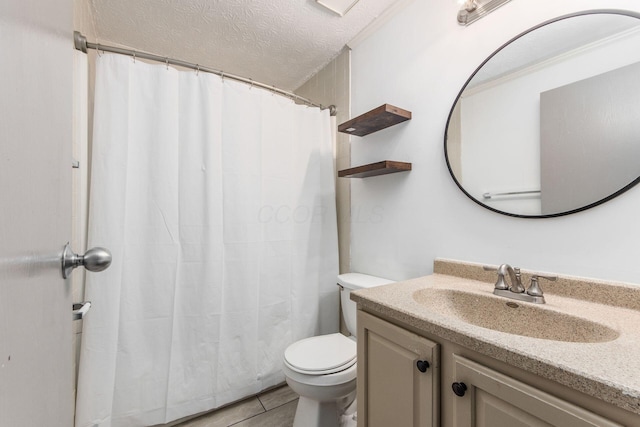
[(493, 399), (392, 389)]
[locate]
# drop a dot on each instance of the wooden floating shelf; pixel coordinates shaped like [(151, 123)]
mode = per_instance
[(379, 168), (379, 118)]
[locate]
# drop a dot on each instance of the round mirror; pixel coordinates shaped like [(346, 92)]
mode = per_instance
[(549, 124)]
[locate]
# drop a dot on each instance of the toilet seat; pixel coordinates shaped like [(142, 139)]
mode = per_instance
[(321, 355), (345, 376)]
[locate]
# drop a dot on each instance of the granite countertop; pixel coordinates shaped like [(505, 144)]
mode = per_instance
[(608, 370)]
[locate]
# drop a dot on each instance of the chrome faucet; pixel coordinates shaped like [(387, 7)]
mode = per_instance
[(517, 291), (516, 279)]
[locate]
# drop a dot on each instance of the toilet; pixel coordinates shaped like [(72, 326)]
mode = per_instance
[(322, 369)]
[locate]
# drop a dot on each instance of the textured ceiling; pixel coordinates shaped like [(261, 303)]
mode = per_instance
[(277, 42)]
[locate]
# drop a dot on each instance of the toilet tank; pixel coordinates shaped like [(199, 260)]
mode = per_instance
[(352, 282)]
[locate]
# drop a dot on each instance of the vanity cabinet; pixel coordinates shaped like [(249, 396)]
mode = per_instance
[(398, 376), (393, 392), (494, 399)]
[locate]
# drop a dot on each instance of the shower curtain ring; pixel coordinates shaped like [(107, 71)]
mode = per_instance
[(222, 76), (98, 50), (273, 90), (251, 87), (167, 62), (134, 56), (197, 69)]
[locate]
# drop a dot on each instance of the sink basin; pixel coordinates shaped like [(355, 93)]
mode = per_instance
[(513, 317)]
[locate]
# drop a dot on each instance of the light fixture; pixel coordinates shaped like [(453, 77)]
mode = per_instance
[(341, 7), (472, 10)]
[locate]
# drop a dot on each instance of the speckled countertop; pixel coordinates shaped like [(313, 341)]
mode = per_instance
[(608, 370)]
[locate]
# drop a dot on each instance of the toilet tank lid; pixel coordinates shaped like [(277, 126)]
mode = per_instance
[(359, 280)]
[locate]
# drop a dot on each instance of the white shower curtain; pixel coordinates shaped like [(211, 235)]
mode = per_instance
[(217, 201)]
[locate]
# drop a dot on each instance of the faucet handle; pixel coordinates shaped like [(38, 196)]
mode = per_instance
[(517, 286), (500, 283), (534, 289)]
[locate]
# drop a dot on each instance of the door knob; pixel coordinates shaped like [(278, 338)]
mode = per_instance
[(95, 259)]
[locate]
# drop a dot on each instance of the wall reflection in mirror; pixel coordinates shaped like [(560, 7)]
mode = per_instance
[(550, 123)]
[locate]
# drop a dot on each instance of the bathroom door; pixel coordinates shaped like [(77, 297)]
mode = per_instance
[(36, 44)]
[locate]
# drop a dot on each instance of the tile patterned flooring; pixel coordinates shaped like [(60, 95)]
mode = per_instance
[(273, 408)]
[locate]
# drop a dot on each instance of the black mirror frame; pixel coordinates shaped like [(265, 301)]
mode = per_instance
[(446, 129)]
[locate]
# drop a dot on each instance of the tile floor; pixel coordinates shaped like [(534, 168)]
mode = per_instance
[(273, 408)]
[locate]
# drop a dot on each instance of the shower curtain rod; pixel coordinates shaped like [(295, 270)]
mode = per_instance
[(83, 45)]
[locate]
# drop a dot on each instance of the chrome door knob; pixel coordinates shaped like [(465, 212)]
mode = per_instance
[(95, 259)]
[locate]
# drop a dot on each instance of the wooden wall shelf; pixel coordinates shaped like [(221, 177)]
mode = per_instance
[(379, 168), (379, 118)]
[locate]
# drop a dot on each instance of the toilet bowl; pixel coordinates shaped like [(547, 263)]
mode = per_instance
[(322, 369)]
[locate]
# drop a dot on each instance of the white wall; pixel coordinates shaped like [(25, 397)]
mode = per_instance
[(419, 61)]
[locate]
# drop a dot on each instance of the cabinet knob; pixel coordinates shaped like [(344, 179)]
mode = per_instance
[(459, 388), (422, 365)]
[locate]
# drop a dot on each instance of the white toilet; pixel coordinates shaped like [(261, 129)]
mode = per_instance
[(322, 369)]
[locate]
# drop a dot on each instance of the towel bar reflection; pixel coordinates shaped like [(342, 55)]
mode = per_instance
[(509, 193)]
